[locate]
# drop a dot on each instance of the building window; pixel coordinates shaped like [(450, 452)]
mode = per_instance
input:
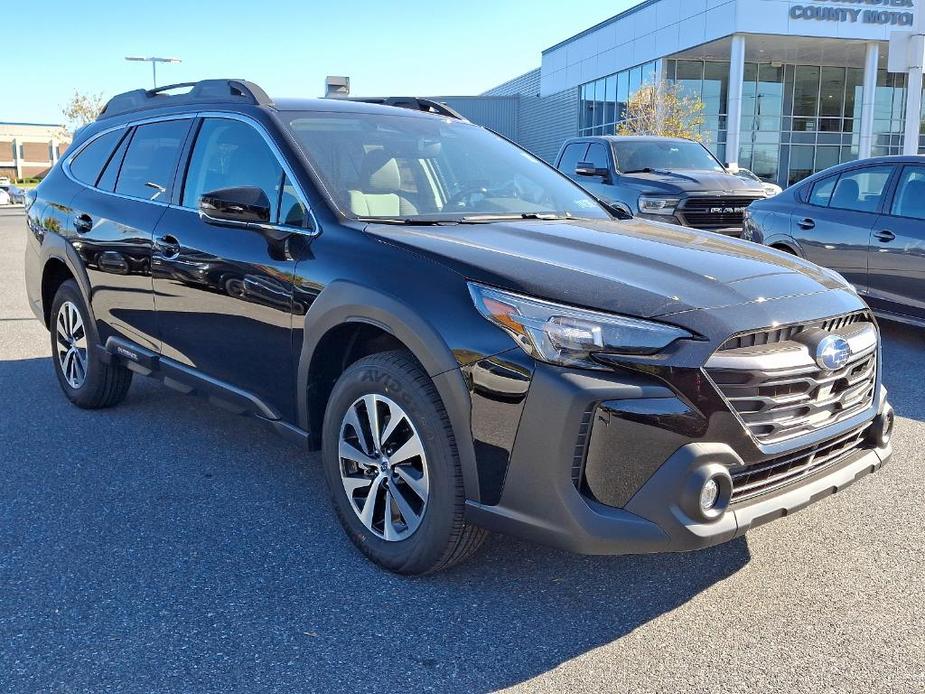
[(603, 102)]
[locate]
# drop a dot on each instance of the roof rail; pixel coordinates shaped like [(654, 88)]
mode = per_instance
[(202, 92), (415, 103)]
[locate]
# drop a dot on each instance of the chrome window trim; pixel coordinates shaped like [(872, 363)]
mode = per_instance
[(312, 232)]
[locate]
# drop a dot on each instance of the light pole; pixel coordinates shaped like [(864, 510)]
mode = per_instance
[(154, 62)]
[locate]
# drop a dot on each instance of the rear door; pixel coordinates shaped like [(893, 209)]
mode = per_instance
[(223, 293), (897, 249), (833, 227), (115, 216)]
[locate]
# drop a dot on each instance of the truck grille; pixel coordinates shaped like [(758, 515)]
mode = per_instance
[(761, 478), (772, 382), (714, 212)]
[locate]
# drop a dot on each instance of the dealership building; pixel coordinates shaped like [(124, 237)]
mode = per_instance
[(789, 87)]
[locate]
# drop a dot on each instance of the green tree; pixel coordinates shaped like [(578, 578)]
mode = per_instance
[(663, 108), (82, 109)]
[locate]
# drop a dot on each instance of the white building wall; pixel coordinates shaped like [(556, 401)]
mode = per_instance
[(659, 28)]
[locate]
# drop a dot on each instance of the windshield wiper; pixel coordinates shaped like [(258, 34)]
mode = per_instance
[(408, 221), (648, 169), (486, 218)]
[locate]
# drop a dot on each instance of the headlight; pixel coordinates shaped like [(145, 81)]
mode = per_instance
[(654, 205), (569, 336)]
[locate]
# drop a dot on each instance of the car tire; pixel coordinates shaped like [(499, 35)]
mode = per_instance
[(85, 378), (416, 524)]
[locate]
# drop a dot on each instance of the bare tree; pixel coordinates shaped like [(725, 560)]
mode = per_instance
[(82, 109), (663, 108)]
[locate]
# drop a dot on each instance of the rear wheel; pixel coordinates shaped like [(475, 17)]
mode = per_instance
[(392, 467), (86, 379)]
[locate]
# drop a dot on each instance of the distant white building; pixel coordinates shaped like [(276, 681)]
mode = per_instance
[(30, 149)]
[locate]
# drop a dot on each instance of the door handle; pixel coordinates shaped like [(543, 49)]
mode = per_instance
[(885, 236), (168, 245), (807, 224), (83, 223)]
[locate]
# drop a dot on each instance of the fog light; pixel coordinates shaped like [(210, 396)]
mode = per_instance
[(709, 495), (885, 424)]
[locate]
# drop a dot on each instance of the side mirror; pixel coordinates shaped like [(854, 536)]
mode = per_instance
[(586, 168), (237, 206)]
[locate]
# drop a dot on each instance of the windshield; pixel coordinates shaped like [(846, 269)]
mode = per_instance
[(417, 169), (638, 156)]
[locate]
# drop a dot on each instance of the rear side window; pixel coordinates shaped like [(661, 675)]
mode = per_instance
[(861, 190), (86, 166), (597, 156), (151, 160), (229, 154), (821, 193), (573, 154), (910, 194)]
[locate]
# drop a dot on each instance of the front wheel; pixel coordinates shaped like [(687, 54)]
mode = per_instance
[(392, 467)]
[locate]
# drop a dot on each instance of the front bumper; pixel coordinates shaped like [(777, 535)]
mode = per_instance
[(630, 440)]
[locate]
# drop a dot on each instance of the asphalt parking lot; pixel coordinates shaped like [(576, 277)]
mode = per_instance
[(166, 546)]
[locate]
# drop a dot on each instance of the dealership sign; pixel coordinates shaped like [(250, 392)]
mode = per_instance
[(883, 12)]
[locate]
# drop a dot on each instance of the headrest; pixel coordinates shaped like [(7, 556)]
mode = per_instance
[(381, 173), (846, 191)]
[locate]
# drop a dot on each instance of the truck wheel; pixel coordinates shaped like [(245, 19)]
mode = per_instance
[(392, 467), (86, 380)]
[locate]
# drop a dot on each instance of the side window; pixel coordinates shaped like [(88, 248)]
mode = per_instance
[(151, 160), (862, 189), (86, 166), (573, 154), (228, 154), (821, 193), (597, 155), (292, 211), (910, 194)]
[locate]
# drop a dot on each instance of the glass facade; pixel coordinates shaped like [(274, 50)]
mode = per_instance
[(602, 103), (796, 119)]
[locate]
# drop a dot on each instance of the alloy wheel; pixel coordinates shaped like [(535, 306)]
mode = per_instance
[(72, 345), (383, 467)]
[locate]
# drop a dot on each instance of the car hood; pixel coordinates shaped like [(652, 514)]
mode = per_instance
[(712, 182), (635, 267)]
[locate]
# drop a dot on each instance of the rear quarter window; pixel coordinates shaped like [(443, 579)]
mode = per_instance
[(820, 194), (89, 162)]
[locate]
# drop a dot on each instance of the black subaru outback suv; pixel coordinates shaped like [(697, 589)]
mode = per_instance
[(471, 340)]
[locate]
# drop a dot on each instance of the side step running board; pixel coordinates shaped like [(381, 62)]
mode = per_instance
[(189, 381)]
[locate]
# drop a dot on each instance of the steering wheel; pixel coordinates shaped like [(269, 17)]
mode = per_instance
[(463, 197)]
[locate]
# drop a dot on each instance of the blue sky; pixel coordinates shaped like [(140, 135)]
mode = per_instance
[(286, 46)]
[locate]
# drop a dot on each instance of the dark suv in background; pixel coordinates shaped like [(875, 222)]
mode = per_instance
[(661, 178), (865, 219), (470, 339)]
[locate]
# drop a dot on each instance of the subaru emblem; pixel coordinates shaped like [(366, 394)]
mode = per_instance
[(832, 352)]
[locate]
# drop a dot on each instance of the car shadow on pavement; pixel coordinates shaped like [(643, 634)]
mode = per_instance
[(165, 545), (903, 348)]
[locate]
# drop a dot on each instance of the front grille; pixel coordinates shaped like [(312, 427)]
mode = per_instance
[(787, 332), (772, 382), (752, 480), (714, 212)]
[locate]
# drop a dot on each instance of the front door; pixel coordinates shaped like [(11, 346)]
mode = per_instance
[(897, 250), (224, 294)]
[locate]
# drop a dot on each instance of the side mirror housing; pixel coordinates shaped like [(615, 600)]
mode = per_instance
[(586, 168), (239, 206)]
